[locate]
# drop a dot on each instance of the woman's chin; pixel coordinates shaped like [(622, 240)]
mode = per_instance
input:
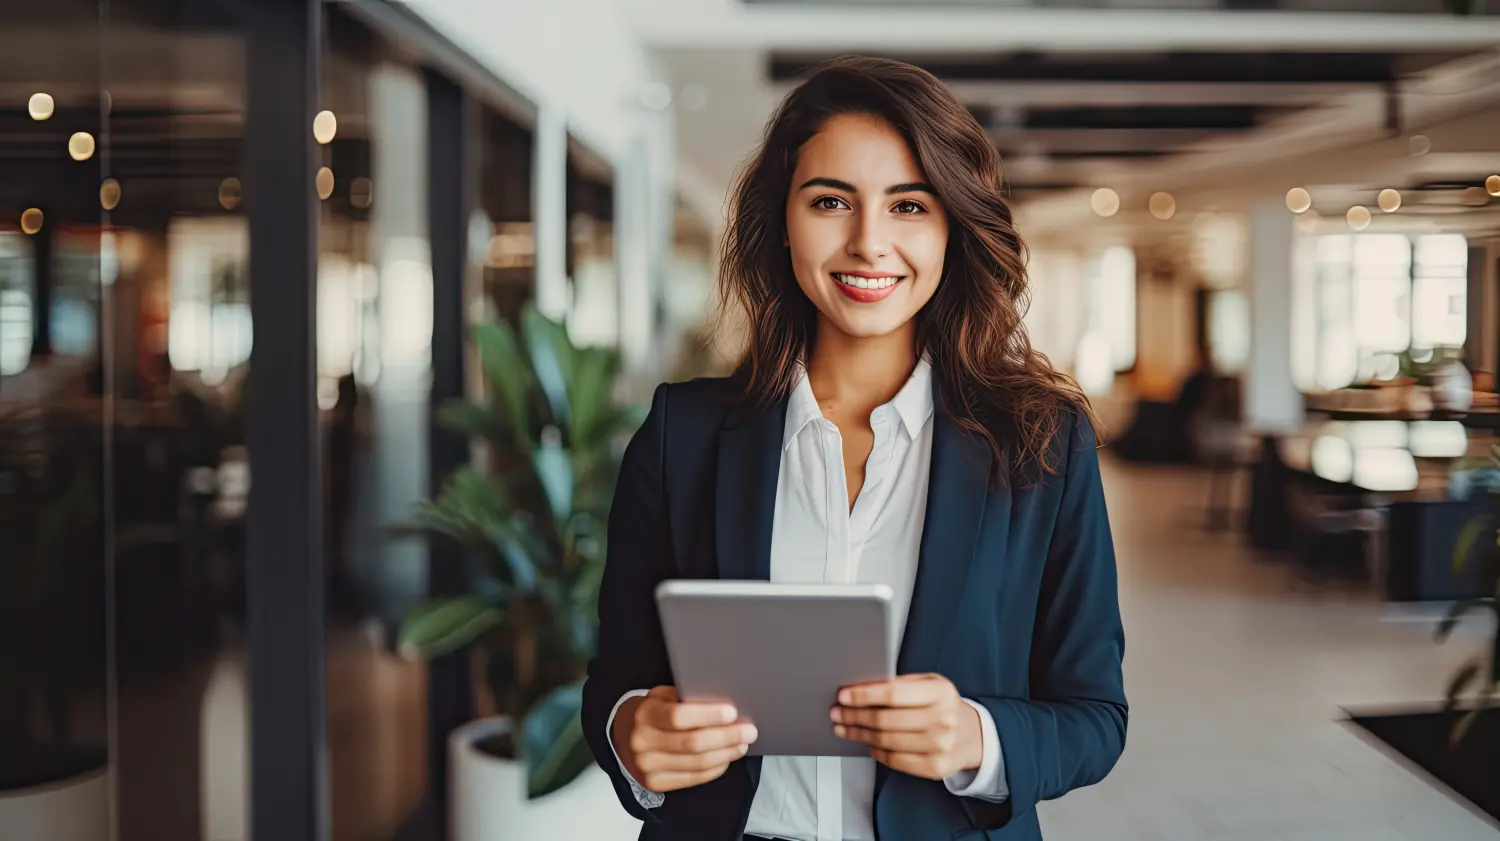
[(869, 322)]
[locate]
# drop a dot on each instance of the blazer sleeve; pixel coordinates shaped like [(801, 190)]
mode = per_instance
[(631, 654), (1070, 731)]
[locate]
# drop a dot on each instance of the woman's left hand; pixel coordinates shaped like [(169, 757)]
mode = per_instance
[(916, 724)]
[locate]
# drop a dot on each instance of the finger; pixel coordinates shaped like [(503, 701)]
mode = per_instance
[(666, 781), (703, 740), (664, 715), (886, 718), (908, 691), (902, 742), (926, 766), (659, 762), (664, 693)]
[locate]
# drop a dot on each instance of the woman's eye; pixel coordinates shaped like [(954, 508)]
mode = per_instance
[(830, 203), (908, 207)]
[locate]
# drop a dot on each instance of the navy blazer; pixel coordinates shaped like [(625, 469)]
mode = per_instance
[(1015, 602)]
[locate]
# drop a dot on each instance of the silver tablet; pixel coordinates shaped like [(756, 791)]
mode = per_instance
[(779, 653)]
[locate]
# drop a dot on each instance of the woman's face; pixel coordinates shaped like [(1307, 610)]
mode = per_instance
[(867, 234)]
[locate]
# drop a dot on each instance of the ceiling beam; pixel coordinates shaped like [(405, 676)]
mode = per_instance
[(720, 24), (1282, 67), (1032, 94), (1048, 141)]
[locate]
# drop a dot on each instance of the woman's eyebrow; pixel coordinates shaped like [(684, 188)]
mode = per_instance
[(835, 184)]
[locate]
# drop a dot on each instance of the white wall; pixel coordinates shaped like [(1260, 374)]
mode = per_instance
[(581, 60), (579, 55)]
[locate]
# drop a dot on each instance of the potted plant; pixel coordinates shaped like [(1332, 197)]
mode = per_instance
[(53, 781), (1478, 543), (531, 518)]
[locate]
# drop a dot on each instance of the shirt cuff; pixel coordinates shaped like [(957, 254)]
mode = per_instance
[(648, 799), (987, 782)]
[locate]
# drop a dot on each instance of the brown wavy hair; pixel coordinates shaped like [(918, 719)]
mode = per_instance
[(990, 380)]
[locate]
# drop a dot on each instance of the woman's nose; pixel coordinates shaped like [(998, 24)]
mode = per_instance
[(870, 238)]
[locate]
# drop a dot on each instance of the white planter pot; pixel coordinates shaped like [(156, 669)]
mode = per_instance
[(76, 809), (1453, 387), (489, 798)]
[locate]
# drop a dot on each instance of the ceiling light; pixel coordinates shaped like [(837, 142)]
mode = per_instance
[(1420, 145), (229, 193), (1492, 185), (1389, 200), (325, 127), (31, 221), (361, 193), (1358, 217), (81, 146), (655, 96), (1106, 202), (324, 182), (1162, 206), (1298, 200), (40, 106), (109, 194)]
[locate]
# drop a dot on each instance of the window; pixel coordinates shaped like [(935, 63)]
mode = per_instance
[(1228, 330), (76, 279), (17, 290), (1376, 295), (209, 331), (1108, 345), (1440, 291)]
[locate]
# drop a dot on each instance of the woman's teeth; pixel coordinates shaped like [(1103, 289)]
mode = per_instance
[(867, 282)]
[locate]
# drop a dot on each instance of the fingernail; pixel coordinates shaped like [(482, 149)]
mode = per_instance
[(838, 730), (845, 696), (744, 749), (748, 733), (727, 713), (834, 714)]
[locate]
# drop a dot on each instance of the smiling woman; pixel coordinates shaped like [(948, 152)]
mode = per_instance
[(889, 425), (873, 172), (863, 227)]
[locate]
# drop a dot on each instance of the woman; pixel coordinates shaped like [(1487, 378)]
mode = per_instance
[(890, 424)]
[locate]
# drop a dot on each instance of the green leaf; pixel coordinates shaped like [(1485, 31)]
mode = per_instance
[(510, 376), (524, 555), (435, 628), (1460, 682), (1455, 613), (591, 395), (552, 357), (474, 420), (552, 742), (554, 468), (1461, 728), (1464, 544)]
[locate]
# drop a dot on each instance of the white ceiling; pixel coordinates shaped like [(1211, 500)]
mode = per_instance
[(1335, 142), (913, 25)]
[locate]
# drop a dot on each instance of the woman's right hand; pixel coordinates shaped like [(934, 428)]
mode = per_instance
[(667, 744)]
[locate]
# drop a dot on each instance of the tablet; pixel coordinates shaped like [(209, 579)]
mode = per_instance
[(779, 653)]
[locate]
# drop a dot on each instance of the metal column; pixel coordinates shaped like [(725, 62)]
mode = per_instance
[(284, 567), (453, 172)]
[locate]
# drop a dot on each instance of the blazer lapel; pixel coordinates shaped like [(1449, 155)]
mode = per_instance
[(957, 491), (745, 507)]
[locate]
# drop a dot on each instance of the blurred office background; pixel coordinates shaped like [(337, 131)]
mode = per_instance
[(1265, 237)]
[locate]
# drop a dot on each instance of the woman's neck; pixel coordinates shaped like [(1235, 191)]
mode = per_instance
[(852, 374)]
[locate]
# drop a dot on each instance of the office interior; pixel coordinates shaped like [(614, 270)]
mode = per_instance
[(1264, 237)]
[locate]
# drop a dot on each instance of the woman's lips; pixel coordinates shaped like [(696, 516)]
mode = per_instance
[(866, 289)]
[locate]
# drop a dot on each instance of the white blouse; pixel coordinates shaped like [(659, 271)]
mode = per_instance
[(816, 538)]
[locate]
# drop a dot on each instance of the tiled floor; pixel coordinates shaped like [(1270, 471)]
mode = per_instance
[(1238, 677)]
